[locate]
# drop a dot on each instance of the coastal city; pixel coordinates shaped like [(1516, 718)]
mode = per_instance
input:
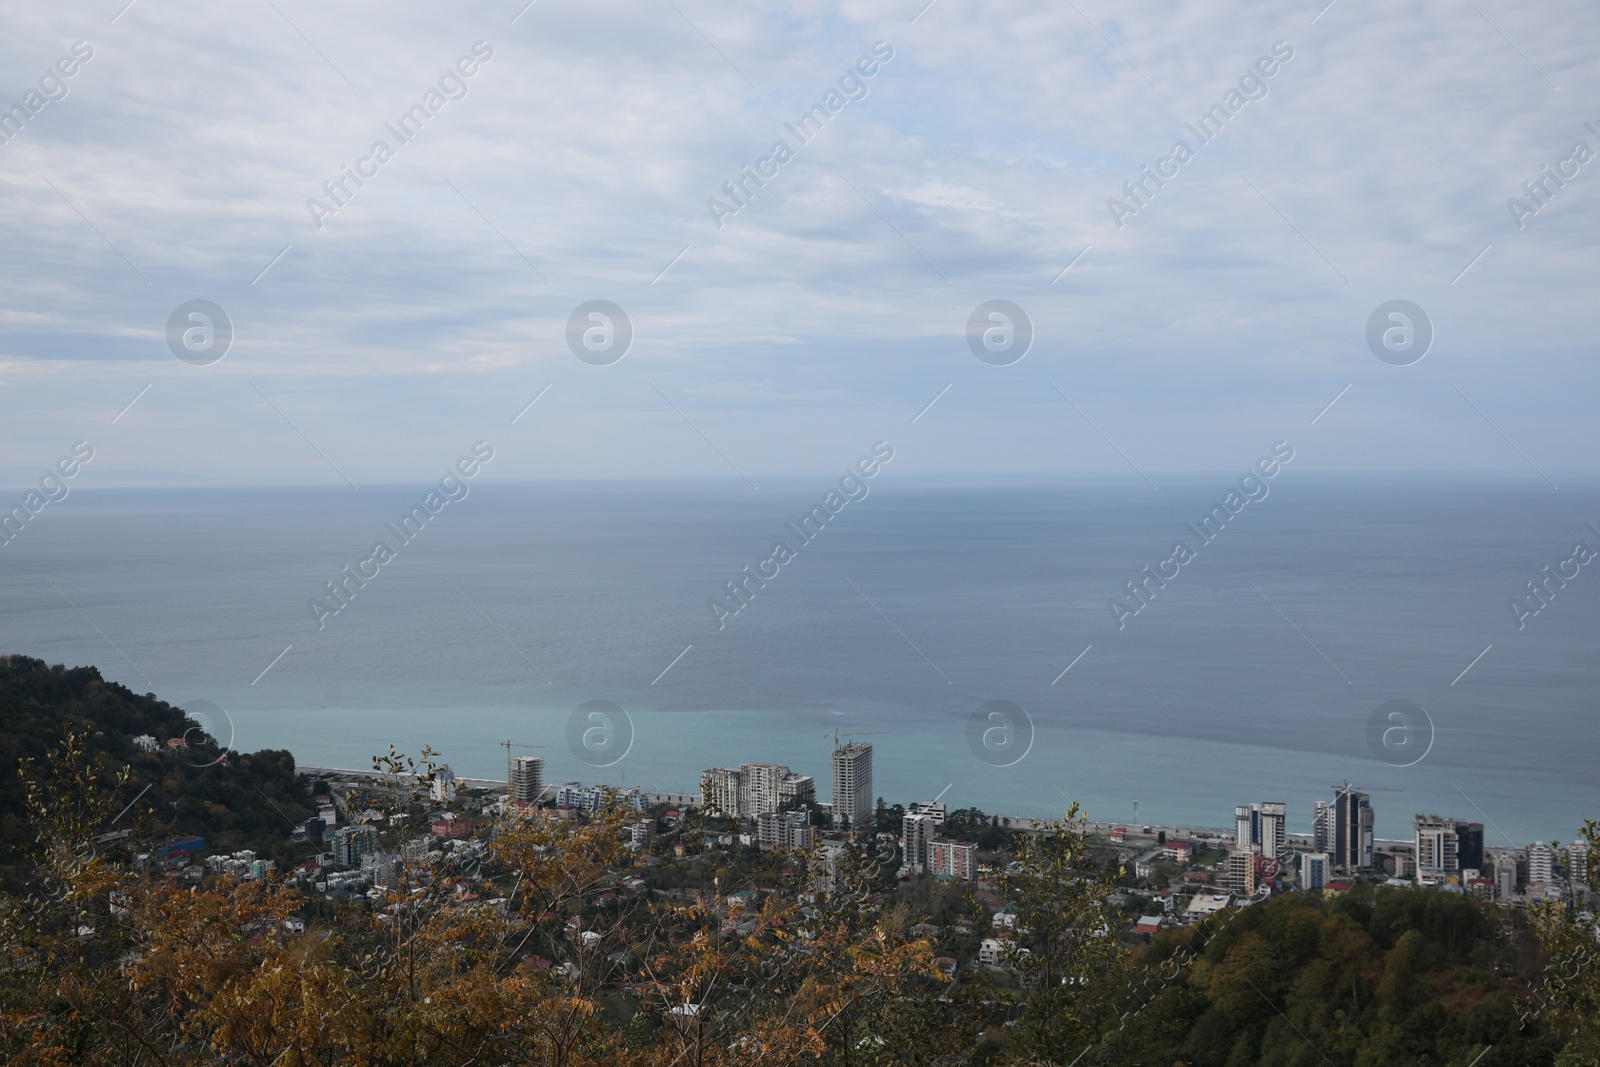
[(1168, 876)]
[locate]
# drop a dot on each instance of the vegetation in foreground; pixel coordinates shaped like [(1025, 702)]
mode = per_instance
[(556, 944)]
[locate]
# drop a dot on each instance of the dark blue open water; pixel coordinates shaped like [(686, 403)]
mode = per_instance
[(1209, 697)]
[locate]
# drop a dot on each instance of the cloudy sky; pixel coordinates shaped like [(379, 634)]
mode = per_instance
[(425, 309)]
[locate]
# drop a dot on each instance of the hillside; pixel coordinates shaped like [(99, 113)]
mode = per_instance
[(231, 799)]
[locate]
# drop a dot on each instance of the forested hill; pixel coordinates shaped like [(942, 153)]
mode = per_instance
[(242, 801), (1373, 977)]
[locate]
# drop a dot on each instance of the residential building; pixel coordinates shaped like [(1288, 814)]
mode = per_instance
[(1273, 834), (1261, 825), (917, 835), (1322, 826), (146, 743), (797, 787), (1436, 848), (783, 829), (640, 833), (444, 783), (758, 788), (1541, 864), (1313, 870), (352, 844), (852, 786), (1509, 870), (1353, 820), (1241, 872), (527, 779), (719, 790), (936, 808), (755, 789), (595, 797), (952, 859), (1578, 861), (1181, 851), (1246, 825)]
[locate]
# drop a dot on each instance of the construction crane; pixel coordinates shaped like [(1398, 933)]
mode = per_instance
[(853, 733), (508, 745)]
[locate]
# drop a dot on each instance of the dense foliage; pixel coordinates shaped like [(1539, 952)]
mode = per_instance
[(551, 942), (233, 800), (1371, 977)]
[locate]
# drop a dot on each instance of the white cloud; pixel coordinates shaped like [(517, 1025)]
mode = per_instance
[(990, 144)]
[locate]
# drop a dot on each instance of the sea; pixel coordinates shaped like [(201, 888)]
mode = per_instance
[(962, 627)]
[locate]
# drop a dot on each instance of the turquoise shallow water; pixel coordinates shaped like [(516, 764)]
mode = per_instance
[(1250, 676)]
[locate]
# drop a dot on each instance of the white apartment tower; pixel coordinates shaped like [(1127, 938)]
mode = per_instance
[(759, 785), (1540, 863), (852, 786), (1437, 847), (1578, 861), (527, 778), (720, 790)]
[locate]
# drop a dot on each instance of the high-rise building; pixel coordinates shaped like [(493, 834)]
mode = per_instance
[(1352, 829), (1322, 826), (1241, 874), (1541, 864), (1437, 848), (1244, 825), (758, 787), (1578, 861), (444, 783), (797, 787), (1313, 870), (1469, 845), (935, 808), (719, 790), (918, 831), (852, 786), (352, 844), (1273, 835), (952, 859), (1446, 847), (527, 778), (755, 789)]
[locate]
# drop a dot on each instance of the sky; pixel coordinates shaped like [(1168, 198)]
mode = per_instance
[(378, 331)]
